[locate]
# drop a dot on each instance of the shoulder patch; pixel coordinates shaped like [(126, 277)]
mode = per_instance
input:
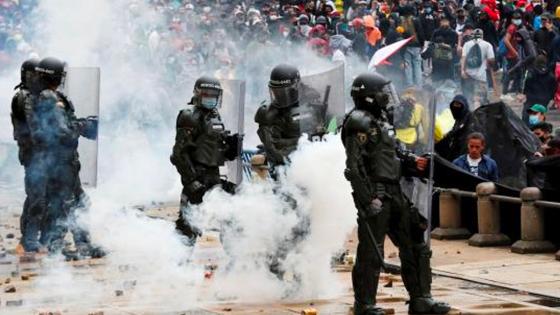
[(362, 137)]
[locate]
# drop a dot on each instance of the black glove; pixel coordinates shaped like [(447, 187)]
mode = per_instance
[(275, 158), (375, 207), (195, 191), (228, 187), (89, 126), (233, 144)]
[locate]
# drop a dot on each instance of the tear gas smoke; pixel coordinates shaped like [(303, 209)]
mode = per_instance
[(139, 102), (261, 217)]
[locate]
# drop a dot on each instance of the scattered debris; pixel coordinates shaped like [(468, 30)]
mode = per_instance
[(123, 268), (10, 235), (10, 289), (210, 267), (227, 309), (50, 313), (25, 277), (119, 292), (14, 303), (96, 313), (309, 311), (8, 280), (483, 271), (129, 284), (27, 258), (208, 274), (350, 259), (458, 252)]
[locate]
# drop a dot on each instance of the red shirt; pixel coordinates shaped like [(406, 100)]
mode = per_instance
[(511, 29)]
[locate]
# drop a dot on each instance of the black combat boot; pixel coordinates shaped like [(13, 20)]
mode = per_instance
[(367, 309)]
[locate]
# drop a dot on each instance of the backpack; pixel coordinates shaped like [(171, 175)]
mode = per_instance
[(474, 57), (502, 49), (443, 52)]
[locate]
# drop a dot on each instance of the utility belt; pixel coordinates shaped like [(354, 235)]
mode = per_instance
[(385, 189)]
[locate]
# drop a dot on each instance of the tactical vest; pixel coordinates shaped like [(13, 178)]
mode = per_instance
[(381, 161), (210, 144)]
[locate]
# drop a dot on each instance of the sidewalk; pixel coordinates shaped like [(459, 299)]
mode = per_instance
[(534, 273), (36, 290)]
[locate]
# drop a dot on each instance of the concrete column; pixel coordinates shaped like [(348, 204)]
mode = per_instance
[(449, 218), (489, 230), (532, 225)]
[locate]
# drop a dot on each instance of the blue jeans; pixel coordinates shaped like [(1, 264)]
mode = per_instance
[(413, 68)]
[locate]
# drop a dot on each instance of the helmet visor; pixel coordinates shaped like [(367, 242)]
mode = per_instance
[(284, 96), (210, 99)]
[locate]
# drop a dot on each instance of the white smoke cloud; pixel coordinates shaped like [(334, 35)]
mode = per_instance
[(261, 216), (137, 120)]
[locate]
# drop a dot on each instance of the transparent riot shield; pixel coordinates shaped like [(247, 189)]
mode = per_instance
[(232, 112), (414, 124), (82, 89), (322, 101), (444, 94)]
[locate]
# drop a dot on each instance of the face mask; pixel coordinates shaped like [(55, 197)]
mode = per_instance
[(209, 102), (517, 22), (457, 112), (533, 120)]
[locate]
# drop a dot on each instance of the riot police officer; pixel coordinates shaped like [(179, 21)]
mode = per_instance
[(294, 109), (202, 145), (375, 164), (34, 205), (54, 131)]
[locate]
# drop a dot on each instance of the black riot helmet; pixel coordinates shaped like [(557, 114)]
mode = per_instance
[(369, 93), (51, 72), (27, 73), (284, 86), (207, 93)]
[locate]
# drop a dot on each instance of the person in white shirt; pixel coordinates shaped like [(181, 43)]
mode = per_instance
[(477, 57)]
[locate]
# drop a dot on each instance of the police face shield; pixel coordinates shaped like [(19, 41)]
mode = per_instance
[(210, 98), (392, 96), (285, 96)]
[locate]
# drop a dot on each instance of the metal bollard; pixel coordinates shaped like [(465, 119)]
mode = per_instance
[(488, 219), (532, 225), (450, 218)]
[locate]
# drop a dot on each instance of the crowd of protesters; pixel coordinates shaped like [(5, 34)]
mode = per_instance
[(472, 44), (15, 35)]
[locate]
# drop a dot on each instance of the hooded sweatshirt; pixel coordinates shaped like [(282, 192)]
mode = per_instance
[(373, 34)]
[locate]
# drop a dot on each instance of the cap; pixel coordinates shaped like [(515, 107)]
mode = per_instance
[(537, 108)]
